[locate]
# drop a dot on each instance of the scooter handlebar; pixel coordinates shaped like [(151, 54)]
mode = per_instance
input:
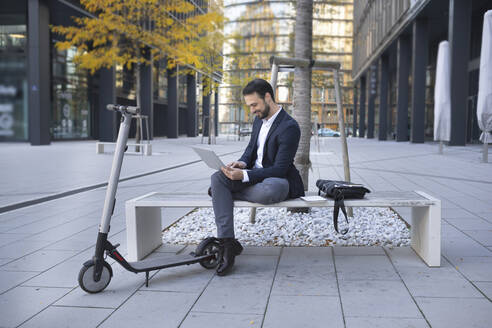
[(128, 109)]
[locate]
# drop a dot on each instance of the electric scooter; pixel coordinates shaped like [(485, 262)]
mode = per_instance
[(96, 273)]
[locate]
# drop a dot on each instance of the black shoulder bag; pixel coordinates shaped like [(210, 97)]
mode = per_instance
[(340, 190)]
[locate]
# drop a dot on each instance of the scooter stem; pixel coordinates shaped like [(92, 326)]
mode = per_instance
[(115, 172)]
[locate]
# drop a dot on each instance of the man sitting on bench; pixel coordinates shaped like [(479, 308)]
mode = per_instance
[(264, 174)]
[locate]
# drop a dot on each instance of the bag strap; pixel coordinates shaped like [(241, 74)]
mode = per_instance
[(339, 204)]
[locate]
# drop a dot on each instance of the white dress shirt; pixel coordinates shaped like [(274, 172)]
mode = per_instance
[(265, 128)]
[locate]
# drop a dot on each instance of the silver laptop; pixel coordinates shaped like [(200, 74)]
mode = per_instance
[(209, 157)]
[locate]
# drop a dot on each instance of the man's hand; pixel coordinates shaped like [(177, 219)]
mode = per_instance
[(237, 164), (232, 173)]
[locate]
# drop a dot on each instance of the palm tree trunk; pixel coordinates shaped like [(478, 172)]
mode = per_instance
[(303, 48)]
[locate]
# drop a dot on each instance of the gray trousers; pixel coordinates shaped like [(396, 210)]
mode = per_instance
[(225, 191)]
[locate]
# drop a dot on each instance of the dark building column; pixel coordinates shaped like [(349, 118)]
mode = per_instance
[(459, 31), (108, 120), (372, 85), (39, 64), (172, 104), (205, 112), (216, 112), (402, 74), (191, 109), (383, 98), (147, 97), (362, 107), (354, 125), (419, 67)]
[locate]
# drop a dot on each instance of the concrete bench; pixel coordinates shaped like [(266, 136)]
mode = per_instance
[(144, 229), (145, 148)]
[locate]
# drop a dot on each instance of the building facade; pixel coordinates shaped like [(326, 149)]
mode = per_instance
[(44, 96), (394, 65), (258, 30)]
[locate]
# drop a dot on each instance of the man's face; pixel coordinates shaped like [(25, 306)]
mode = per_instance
[(257, 105)]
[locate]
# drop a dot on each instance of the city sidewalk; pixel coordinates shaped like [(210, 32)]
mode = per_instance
[(47, 171), (42, 247)]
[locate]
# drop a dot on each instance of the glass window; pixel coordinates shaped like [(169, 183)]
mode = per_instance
[(71, 107), (13, 81), (182, 89), (334, 11), (282, 94), (329, 44), (284, 44), (260, 10), (262, 26), (345, 60), (160, 81), (332, 27)]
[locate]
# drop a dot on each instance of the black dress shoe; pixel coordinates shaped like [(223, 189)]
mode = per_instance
[(231, 248)]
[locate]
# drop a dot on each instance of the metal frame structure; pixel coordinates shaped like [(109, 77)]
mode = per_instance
[(288, 64)]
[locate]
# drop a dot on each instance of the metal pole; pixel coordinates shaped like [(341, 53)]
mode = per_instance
[(209, 130), (203, 127), (302, 62), (485, 154), (273, 78), (315, 132), (341, 127)]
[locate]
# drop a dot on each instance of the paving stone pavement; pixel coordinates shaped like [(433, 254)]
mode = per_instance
[(43, 246)]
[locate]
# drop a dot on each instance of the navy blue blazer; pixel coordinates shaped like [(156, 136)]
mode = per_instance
[(278, 154)]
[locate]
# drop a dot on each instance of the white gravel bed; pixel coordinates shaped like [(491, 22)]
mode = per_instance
[(370, 226)]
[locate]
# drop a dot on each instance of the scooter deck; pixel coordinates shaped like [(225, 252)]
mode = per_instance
[(167, 262)]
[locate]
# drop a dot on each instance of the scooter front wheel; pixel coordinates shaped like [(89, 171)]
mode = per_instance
[(86, 277), (209, 246)]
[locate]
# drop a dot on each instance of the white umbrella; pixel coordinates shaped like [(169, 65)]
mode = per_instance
[(484, 103), (442, 96)]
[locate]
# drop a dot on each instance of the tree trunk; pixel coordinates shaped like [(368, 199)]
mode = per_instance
[(303, 46)]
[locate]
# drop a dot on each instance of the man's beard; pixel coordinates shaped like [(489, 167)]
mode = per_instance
[(265, 113)]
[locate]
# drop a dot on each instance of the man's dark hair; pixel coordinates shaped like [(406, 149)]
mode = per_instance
[(260, 86)]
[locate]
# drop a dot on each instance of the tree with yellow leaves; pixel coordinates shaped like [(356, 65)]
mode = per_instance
[(136, 32)]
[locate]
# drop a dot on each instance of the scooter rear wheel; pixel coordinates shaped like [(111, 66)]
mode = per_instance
[(86, 278), (209, 246)]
